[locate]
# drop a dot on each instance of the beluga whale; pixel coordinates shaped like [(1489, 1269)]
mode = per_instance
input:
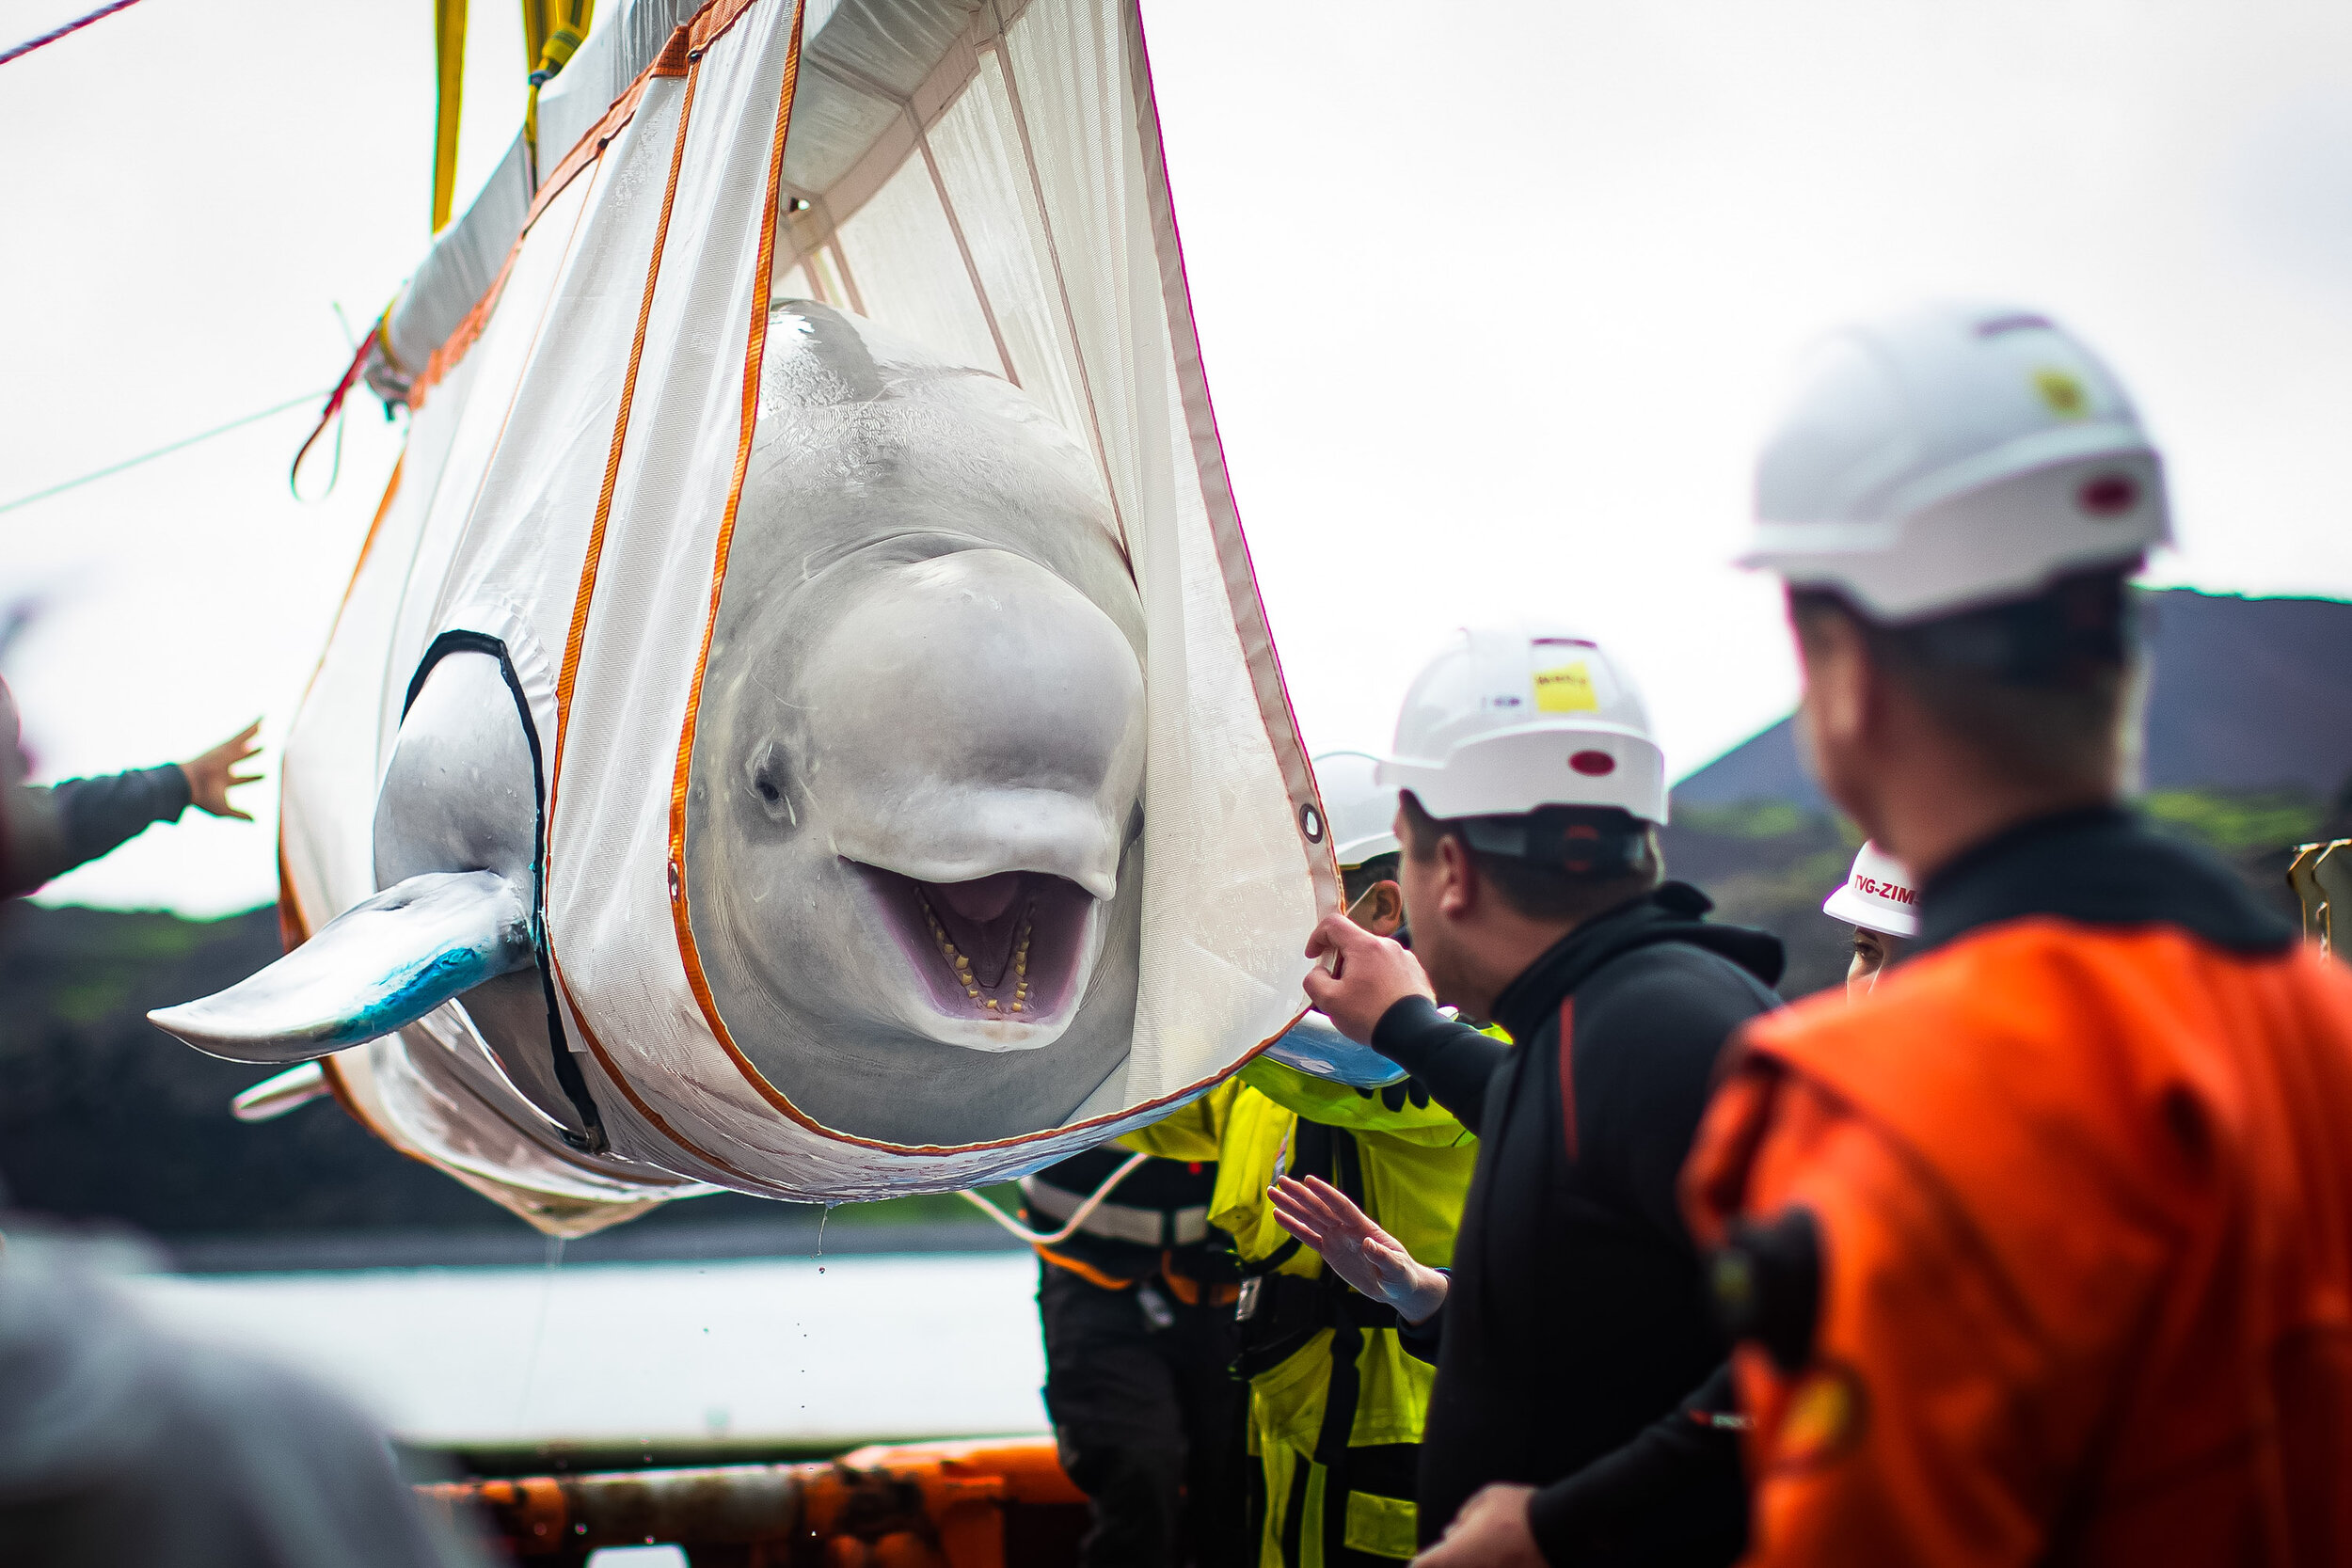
[(914, 824), (789, 731)]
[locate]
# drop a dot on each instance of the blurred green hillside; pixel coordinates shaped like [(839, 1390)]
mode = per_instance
[(2246, 744), (1770, 863)]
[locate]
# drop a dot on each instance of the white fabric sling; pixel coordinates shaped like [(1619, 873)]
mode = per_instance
[(986, 182)]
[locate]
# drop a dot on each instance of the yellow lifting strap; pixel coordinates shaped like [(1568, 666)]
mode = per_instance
[(449, 58), (553, 31)]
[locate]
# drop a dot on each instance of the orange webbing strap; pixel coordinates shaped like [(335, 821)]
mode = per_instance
[(1193, 1291), (1084, 1270)]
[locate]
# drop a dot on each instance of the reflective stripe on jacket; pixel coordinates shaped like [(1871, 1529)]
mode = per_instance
[(1413, 1161)]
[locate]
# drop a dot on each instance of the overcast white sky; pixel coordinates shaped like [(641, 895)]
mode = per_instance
[(1494, 298)]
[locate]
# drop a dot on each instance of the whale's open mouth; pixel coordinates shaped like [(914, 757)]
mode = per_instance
[(1009, 948)]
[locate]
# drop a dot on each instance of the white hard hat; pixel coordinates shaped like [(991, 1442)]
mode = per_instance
[(1950, 456), (1509, 718), (1878, 895), (1362, 814)]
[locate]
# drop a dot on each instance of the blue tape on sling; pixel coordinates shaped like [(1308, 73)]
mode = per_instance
[(1316, 1049)]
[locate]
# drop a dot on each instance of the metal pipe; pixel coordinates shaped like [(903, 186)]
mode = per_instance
[(573, 1516)]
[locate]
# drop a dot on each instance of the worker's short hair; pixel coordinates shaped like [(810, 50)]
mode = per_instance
[(2039, 686), (1556, 862), (1355, 880)]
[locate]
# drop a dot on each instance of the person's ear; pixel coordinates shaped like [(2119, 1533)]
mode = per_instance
[(1841, 713), (1839, 681), (1457, 879), (1381, 910)]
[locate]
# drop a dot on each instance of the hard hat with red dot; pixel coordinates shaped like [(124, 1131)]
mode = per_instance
[(1878, 895), (1506, 720), (1951, 456), (1362, 814)]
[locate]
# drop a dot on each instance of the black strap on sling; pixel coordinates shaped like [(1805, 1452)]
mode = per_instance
[(1353, 1314)]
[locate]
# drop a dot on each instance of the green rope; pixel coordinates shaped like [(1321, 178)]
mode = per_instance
[(161, 452)]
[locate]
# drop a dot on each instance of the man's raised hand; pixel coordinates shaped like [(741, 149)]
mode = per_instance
[(1369, 974), (212, 776), (1358, 1250)]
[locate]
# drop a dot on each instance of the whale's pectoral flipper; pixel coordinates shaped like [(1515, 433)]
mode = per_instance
[(381, 964), (274, 1097)]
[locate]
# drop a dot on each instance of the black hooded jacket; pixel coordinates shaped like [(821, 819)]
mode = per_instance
[(1577, 1352)]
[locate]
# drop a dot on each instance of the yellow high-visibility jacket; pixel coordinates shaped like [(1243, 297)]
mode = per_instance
[(1414, 1160)]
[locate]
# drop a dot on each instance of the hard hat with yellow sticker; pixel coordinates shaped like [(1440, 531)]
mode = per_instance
[(1508, 718), (1951, 456)]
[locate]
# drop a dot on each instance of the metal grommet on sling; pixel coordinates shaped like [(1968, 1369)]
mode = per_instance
[(1311, 822)]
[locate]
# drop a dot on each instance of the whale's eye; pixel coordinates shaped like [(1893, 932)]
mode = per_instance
[(770, 781)]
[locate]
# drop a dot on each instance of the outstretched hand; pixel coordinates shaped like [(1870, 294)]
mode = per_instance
[(212, 776), (1368, 975), (1491, 1531), (1358, 1250)]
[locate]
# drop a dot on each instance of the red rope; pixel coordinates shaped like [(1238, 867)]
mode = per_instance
[(334, 404), (74, 27)]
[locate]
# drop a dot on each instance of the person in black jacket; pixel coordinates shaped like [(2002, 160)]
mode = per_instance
[(1581, 1409), (52, 829)]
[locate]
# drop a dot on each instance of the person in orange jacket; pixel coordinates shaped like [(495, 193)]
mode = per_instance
[(2041, 1252)]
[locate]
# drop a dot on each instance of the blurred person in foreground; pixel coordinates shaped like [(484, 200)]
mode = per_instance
[(122, 1444), (2041, 1252), (1581, 1410)]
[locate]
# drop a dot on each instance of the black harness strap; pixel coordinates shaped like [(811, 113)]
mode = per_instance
[(1347, 1344), (1292, 1309), (1295, 1516), (567, 1074)]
